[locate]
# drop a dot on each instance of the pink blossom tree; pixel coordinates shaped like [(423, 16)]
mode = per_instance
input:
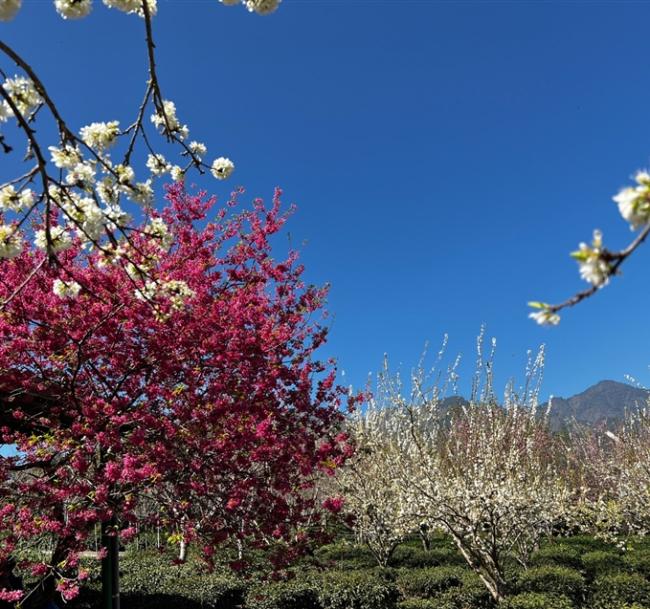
[(176, 366)]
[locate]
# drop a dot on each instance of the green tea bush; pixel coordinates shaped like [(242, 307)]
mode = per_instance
[(347, 556), (418, 603), (537, 600), (426, 583), (586, 543), (599, 562), (638, 560), (611, 591), (284, 595), (554, 580), (357, 590), (414, 557), (557, 554), (472, 594)]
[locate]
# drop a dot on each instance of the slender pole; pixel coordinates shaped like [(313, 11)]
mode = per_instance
[(110, 566)]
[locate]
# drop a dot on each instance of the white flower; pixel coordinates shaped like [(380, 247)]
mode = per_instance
[(73, 9), (595, 271), (16, 201), (166, 119), (198, 149), (147, 291), (86, 216), (11, 244), (5, 110), (593, 268), (59, 236), (160, 232), (100, 135), (634, 205), (116, 216), (544, 317), (8, 9), (132, 6), (110, 255), (125, 174), (222, 168), (158, 165), (177, 173), (23, 93), (142, 193), (66, 289), (81, 175), (108, 191), (66, 157), (177, 292), (262, 7)]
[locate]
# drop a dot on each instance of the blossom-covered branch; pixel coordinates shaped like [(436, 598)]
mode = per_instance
[(84, 187), (597, 264)]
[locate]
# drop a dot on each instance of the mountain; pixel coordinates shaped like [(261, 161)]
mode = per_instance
[(604, 403)]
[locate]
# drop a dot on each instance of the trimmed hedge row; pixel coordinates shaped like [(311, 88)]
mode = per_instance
[(572, 573)]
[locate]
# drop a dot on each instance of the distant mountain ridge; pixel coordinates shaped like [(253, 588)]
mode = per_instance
[(604, 403)]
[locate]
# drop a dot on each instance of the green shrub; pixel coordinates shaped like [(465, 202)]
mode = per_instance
[(599, 562), (284, 595), (418, 603), (426, 583), (347, 556), (472, 594), (414, 557), (151, 581), (611, 591), (557, 554), (537, 600), (638, 560), (357, 590), (554, 580), (586, 543)]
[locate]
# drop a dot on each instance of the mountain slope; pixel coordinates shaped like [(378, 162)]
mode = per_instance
[(603, 403)]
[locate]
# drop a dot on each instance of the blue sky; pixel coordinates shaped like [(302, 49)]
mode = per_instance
[(444, 156)]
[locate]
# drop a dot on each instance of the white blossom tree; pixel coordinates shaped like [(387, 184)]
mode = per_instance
[(487, 474), (611, 473), (370, 483)]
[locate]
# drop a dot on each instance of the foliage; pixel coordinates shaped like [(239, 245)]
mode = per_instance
[(599, 562), (357, 590), (553, 580), (427, 583), (615, 589), (284, 595), (537, 600), (557, 554)]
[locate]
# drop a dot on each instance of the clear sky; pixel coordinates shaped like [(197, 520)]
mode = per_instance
[(444, 156)]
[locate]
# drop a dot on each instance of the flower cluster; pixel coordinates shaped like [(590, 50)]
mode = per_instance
[(66, 289), (544, 316), (634, 203), (17, 201), (23, 95), (78, 9), (594, 268), (261, 7), (73, 9), (11, 243)]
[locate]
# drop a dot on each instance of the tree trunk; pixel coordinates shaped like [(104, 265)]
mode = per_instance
[(110, 566)]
